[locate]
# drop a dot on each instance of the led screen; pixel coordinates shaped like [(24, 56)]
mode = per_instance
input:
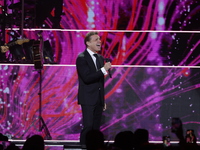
[(136, 97), (154, 49)]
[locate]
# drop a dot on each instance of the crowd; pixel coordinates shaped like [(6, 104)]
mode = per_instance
[(35, 142), (124, 140), (138, 140)]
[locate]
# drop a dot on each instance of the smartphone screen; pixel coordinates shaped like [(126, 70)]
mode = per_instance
[(166, 141)]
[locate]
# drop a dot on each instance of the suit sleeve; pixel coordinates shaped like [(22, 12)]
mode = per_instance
[(86, 72)]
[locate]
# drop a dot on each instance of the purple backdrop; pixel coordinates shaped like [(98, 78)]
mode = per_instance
[(154, 48)]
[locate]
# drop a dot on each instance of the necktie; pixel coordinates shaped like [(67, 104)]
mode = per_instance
[(97, 61)]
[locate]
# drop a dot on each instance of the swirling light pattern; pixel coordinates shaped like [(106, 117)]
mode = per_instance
[(154, 47)]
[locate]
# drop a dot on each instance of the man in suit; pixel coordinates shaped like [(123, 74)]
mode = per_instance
[(91, 70)]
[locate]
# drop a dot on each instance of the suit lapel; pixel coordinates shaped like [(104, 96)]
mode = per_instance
[(89, 60), (101, 60)]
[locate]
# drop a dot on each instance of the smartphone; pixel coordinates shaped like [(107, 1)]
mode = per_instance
[(176, 124), (166, 141)]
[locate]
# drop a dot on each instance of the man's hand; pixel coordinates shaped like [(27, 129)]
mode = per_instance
[(4, 49), (107, 66), (105, 107)]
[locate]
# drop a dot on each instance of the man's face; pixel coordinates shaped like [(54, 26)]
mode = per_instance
[(95, 43)]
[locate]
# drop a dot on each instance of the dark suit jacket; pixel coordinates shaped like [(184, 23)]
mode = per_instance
[(91, 81)]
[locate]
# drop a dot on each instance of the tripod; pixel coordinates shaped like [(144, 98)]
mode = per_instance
[(38, 65), (40, 120), (42, 124)]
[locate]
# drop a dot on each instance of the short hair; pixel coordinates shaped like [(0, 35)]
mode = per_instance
[(88, 36), (35, 142), (124, 140), (141, 136)]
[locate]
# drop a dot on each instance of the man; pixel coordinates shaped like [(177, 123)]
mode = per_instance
[(3, 50), (91, 84)]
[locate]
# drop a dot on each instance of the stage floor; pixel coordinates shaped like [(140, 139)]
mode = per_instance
[(55, 144), (71, 144)]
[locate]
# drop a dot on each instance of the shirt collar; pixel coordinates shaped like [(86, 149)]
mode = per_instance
[(90, 52)]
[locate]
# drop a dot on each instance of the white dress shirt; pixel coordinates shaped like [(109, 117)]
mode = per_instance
[(94, 59)]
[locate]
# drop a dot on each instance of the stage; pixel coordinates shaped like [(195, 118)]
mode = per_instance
[(155, 55), (74, 144)]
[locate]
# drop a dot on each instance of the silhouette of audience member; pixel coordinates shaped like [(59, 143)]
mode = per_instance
[(141, 138), (7, 145), (1, 147), (35, 142), (124, 140), (3, 137), (95, 140), (183, 142), (12, 146), (141, 141)]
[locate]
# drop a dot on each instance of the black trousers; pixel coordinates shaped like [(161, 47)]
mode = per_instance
[(91, 119)]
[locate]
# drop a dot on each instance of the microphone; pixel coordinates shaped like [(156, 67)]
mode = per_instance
[(109, 72)]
